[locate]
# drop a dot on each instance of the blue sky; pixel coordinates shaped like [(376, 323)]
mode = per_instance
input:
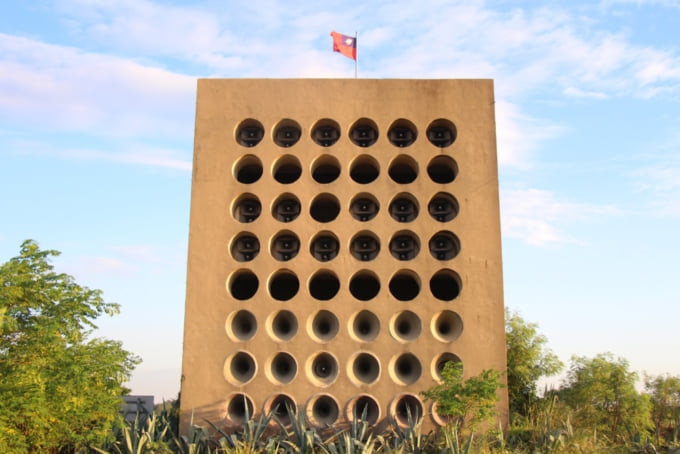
[(97, 102)]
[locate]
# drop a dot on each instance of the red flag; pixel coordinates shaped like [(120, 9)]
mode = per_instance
[(346, 45)]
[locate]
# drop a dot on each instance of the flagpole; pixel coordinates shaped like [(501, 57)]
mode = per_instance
[(356, 60)]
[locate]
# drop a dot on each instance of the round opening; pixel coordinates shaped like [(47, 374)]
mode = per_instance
[(282, 407), (240, 368), (363, 133), (285, 246), (406, 410), (245, 247), (443, 207), (365, 369), (241, 326), (365, 326), (326, 169), (405, 326), (324, 285), (404, 246), (324, 326), (364, 285), (239, 408), (404, 285), (404, 208), (324, 208), (248, 169), (247, 208), (323, 410), (365, 246), (243, 284), (445, 285), (326, 132), (286, 133), (402, 133), (325, 247), (403, 169), (447, 326), (322, 369), (442, 169), (284, 326), (363, 408), (364, 207), (441, 133), (364, 169), (440, 361), (286, 208), (287, 169), (444, 245), (406, 369), (249, 132), (283, 285), (438, 418), (283, 368)]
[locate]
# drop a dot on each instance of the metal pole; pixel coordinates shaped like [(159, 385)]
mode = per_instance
[(356, 49)]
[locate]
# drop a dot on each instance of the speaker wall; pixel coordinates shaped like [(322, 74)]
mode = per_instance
[(283, 285), (248, 169), (444, 245), (364, 207), (365, 326), (245, 247), (322, 369), (325, 247), (364, 285), (324, 285), (404, 285), (286, 208), (287, 169), (445, 285), (365, 368), (283, 325), (240, 368), (441, 133), (363, 408), (287, 133), (443, 207), (243, 284), (247, 208), (285, 246), (249, 133), (324, 326), (364, 169), (405, 326), (239, 408), (283, 368), (404, 246), (404, 208), (402, 133), (325, 169), (403, 169), (326, 132), (241, 325), (323, 410), (447, 326), (442, 169), (406, 369), (365, 246), (439, 363), (406, 409), (364, 132), (324, 208)]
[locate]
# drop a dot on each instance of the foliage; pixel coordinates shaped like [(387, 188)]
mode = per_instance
[(61, 390), (601, 391), (664, 392), (528, 360)]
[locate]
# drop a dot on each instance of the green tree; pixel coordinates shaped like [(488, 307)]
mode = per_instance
[(529, 360), (601, 392), (664, 392), (60, 390), (467, 402)]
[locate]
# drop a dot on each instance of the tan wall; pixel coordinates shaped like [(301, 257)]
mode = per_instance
[(211, 376)]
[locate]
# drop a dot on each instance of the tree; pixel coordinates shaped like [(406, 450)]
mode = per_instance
[(528, 361), (61, 390), (602, 393), (664, 392)]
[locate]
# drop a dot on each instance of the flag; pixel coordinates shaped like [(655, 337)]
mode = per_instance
[(346, 45)]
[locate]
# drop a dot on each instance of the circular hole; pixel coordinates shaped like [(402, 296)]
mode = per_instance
[(440, 361), (442, 169), (249, 132), (364, 207), (281, 406), (286, 208), (326, 169), (241, 326), (286, 133), (364, 285), (322, 369), (365, 369), (403, 169), (325, 247), (239, 408), (326, 132), (402, 133), (363, 133), (441, 133), (285, 246), (245, 247), (445, 285), (283, 368), (363, 408), (324, 208), (247, 208), (406, 369), (283, 285), (404, 285), (364, 169), (240, 368), (443, 207), (323, 410), (365, 246), (444, 245), (406, 409), (248, 169), (438, 417), (243, 284), (324, 285), (284, 326), (405, 326), (287, 169), (404, 208), (404, 246), (365, 326), (324, 326), (447, 326)]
